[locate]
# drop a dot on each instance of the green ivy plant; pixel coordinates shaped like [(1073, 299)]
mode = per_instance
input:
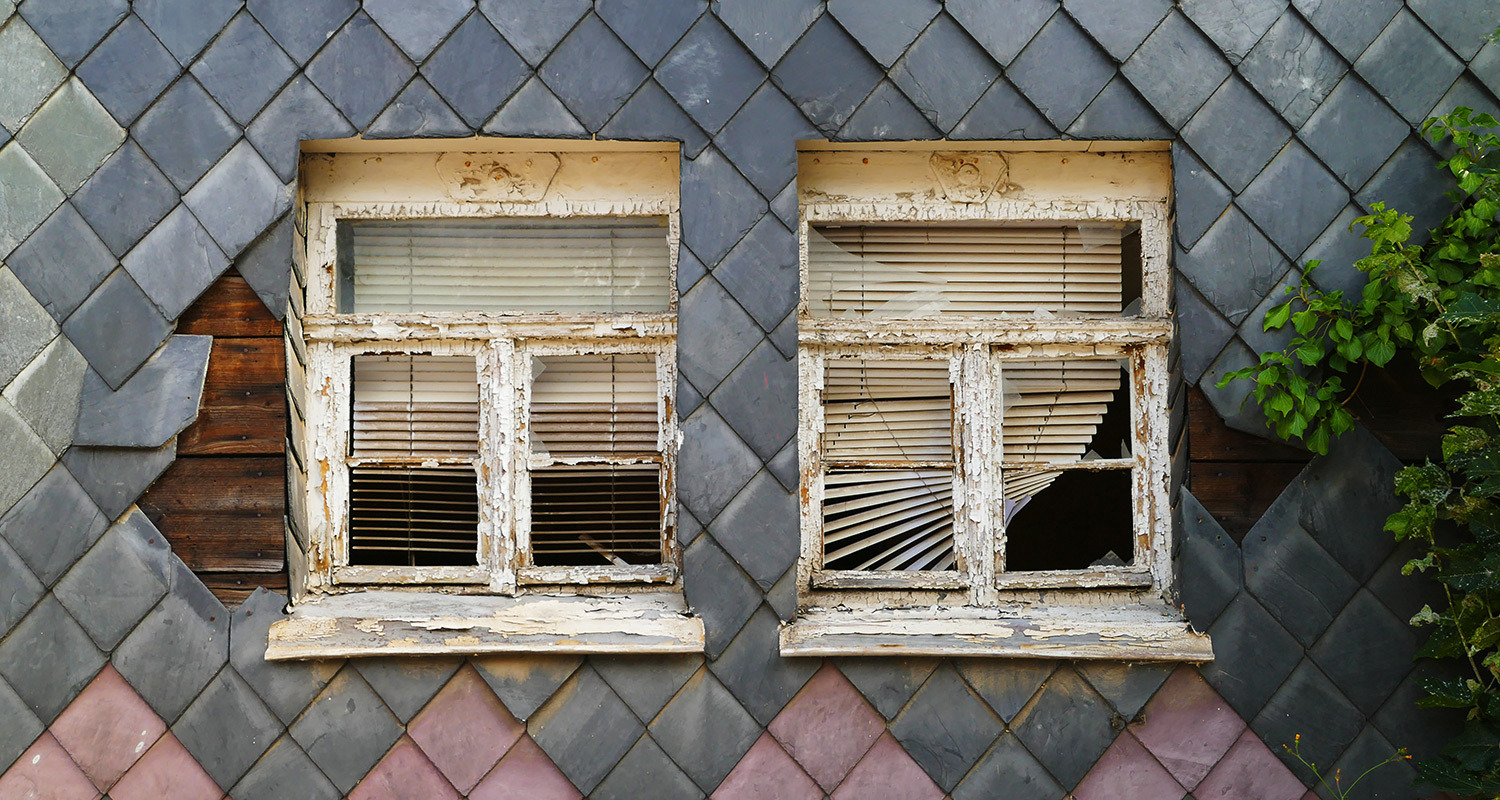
[(1440, 303)]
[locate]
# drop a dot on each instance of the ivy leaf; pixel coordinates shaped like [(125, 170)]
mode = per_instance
[(1445, 693), (1380, 352), (1277, 317)]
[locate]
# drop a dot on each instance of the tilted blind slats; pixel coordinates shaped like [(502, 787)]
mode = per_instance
[(888, 520), (900, 410), (507, 264), (415, 406), (1051, 413), (594, 406)]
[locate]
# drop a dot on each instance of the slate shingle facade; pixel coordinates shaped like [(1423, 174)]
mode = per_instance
[(149, 146)]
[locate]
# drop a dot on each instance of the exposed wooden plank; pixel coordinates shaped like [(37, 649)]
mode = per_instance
[(229, 307), (1404, 412), (233, 587), (1237, 493), (1212, 440), (222, 513), (244, 400)]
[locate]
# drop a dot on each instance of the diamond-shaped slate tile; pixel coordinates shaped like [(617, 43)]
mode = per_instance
[(1201, 196), (1352, 501), (1119, 112), (709, 74), (1008, 771), (1253, 654), (944, 72), (889, 682), (1126, 769), (107, 728), (524, 683), (21, 589), (29, 457), (761, 273), (125, 198), (761, 141), (887, 115), (27, 196), (827, 75), (1366, 652), (1003, 27), (72, 27), (705, 730), (405, 683), (534, 111), (53, 524), (418, 33), (1463, 25), (585, 703), (167, 770), (718, 591), (754, 671), (286, 687), (1236, 133), (115, 476), (1409, 66), (475, 70), (534, 29), (284, 771), (889, 773), (62, 262), (768, 27), (1308, 704), (1188, 727), (767, 771), (758, 528), (1067, 727), (1235, 25), (346, 730), (650, 28), (1469, 92), (1354, 106), (1424, 731), (1034, 71), (646, 765), (946, 727), (128, 70), (404, 772), (1293, 68), (652, 115), (1234, 265), (885, 28), (1006, 685), (29, 73), (22, 727), (1210, 560), (1349, 25), (646, 683), (1294, 577), (113, 586), (592, 72), (48, 659), (267, 265), (299, 112), (185, 26), (828, 727), (185, 132), (194, 626), (45, 771), (1412, 174), (227, 728), (719, 208), (243, 68), (179, 258), (417, 112), (715, 468), (525, 774), (1126, 686), (70, 136), (360, 70), (301, 28), (1119, 26), (1293, 198), (238, 199), (1002, 112)]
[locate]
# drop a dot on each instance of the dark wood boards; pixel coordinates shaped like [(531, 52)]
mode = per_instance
[(222, 513), (229, 307), (244, 400), (1236, 476)]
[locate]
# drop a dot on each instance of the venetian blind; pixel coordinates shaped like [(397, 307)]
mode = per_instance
[(1051, 413)]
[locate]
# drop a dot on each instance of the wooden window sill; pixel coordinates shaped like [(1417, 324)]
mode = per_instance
[(382, 623), (1144, 632)]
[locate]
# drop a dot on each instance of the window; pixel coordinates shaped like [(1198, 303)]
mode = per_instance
[(983, 408), (483, 425)]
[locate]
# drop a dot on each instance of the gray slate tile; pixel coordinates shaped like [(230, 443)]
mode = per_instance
[(1370, 748), (52, 525), (27, 196), (1293, 68), (190, 623), (705, 730), (300, 27), (1409, 66), (761, 272), (1008, 770), (185, 132), (236, 201), (761, 140), (713, 464), (759, 400), (62, 262), (585, 702), (646, 683), (360, 70), (1067, 728), (1293, 198), (115, 476), (1349, 25), (285, 771), (1404, 595), (1119, 112), (128, 70), (1412, 182), (1309, 704), (1292, 576), (70, 136), (1234, 265), (28, 456), (178, 259), (125, 198), (405, 683), (652, 115), (475, 70), (887, 115), (117, 328), (759, 529), (1235, 25), (646, 765), (227, 728), (1126, 686), (1034, 71), (48, 659), (534, 29), (783, 596), (887, 683), (1200, 196), (885, 28), (1366, 652), (417, 34), (592, 72), (1468, 92), (29, 327), (1002, 112), (651, 28), (944, 72), (1236, 133), (1463, 24), (1211, 572), (534, 111), (1003, 28), (1253, 654), (243, 68), (827, 75), (1424, 730), (29, 73), (710, 74), (524, 683), (1354, 106), (299, 112), (1119, 26), (1007, 685), (946, 727), (346, 730), (286, 687), (1230, 402), (1176, 69), (185, 26), (1349, 499), (768, 27), (116, 582), (19, 591), (719, 206), (72, 27), (154, 405), (718, 591), (785, 334), (21, 728), (752, 668), (267, 265)]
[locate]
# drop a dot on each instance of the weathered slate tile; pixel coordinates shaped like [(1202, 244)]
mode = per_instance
[(647, 765), (1235, 25), (652, 115), (417, 34), (346, 730), (227, 728), (115, 476), (1002, 112), (651, 28), (705, 730), (53, 524), (185, 132), (585, 702), (885, 28), (360, 70), (48, 659), (1349, 25), (712, 469), (1409, 66), (71, 28), (302, 28), (646, 682), (946, 727), (1293, 68), (534, 111), (27, 197), (243, 68), (129, 70), (185, 26), (1293, 198), (534, 29), (768, 27), (1253, 654), (62, 262), (117, 581), (1003, 28), (710, 74), (1034, 71), (761, 141), (284, 771), (29, 73), (1354, 106), (754, 671), (237, 200), (178, 259), (944, 72), (1308, 704), (1236, 133), (718, 591), (1119, 26), (887, 115), (1234, 265), (1008, 770), (524, 683), (592, 72), (154, 405), (1119, 112), (827, 75), (299, 112), (475, 70)]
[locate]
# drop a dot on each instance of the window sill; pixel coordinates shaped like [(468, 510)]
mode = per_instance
[(382, 623), (1146, 632)]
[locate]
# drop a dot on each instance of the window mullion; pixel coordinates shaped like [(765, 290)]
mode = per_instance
[(809, 450), (975, 393), (497, 437)]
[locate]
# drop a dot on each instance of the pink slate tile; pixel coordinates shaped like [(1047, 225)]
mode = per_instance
[(44, 772), (827, 726), (167, 770), (1188, 727), (525, 773), (1250, 771), (887, 773), (1127, 772), (404, 773), (767, 773), (465, 729), (107, 728)]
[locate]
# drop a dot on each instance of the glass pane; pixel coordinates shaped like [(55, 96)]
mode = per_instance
[(1063, 411), (596, 515), (898, 410), (888, 520), (415, 406), (413, 517), (594, 406), (507, 264)]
